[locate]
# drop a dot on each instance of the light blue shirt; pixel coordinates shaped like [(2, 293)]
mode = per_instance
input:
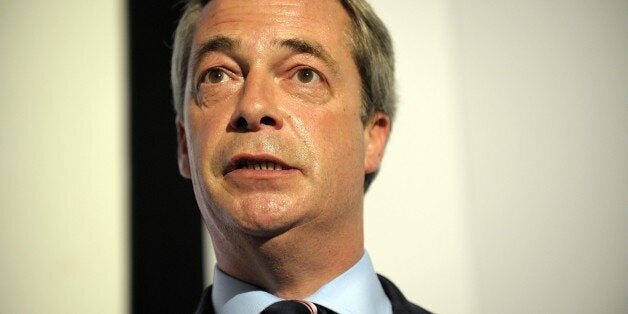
[(355, 291)]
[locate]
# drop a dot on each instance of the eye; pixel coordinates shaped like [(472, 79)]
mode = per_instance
[(215, 76), (306, 76)]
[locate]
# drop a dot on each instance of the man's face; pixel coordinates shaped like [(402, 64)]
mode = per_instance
[(271, 135)]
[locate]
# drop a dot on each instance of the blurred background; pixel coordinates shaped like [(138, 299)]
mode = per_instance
[(504, 188)]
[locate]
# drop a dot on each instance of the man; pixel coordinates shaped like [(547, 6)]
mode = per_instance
[(283, 111)]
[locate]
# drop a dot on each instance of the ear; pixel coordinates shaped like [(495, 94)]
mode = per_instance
[(182, 150), (376, 133)]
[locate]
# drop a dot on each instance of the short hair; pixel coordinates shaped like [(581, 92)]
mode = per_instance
[(371, 50)]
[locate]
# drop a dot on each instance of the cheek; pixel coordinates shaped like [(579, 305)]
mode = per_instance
[(204, 126), (340, 144), (341, 164)]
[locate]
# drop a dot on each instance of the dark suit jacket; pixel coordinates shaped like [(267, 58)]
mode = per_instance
[(400, 305)]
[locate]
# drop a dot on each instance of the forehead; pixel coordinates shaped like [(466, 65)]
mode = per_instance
[(259, 21)]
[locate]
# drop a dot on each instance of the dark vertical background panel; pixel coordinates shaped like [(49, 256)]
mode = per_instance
[(166, 234)]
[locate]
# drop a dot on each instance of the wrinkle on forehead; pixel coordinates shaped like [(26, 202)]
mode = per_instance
[(229, 16), (224, 13)]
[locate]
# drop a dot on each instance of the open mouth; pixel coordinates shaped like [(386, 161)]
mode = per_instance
[(256, 162), (259, 165)]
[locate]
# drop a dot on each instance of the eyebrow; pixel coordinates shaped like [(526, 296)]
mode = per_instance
[(311, 48), (218, 43)]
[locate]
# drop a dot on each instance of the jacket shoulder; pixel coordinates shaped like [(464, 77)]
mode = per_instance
[(400, 305), (206, 306)]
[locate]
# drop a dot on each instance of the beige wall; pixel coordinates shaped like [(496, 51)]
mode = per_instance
[(63, 208), (505, 187), (543, 86), (417, 229)]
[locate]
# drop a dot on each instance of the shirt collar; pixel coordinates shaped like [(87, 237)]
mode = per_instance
[(357, 290), (233, 296)]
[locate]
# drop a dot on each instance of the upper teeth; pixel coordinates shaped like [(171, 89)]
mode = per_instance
[(253, 165)]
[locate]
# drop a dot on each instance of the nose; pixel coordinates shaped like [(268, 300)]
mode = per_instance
[(257, 107)]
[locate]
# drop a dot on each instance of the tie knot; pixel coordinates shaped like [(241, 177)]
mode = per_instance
[(295, 307)]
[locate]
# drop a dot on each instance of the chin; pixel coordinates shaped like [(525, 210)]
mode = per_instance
[(264, 216)]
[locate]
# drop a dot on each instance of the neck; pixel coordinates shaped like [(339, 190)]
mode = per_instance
[(293, 264)]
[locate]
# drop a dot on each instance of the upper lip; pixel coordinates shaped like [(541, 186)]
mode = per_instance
[(243, 159)]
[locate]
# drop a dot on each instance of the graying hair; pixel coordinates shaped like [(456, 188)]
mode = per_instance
[(371, 49)]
